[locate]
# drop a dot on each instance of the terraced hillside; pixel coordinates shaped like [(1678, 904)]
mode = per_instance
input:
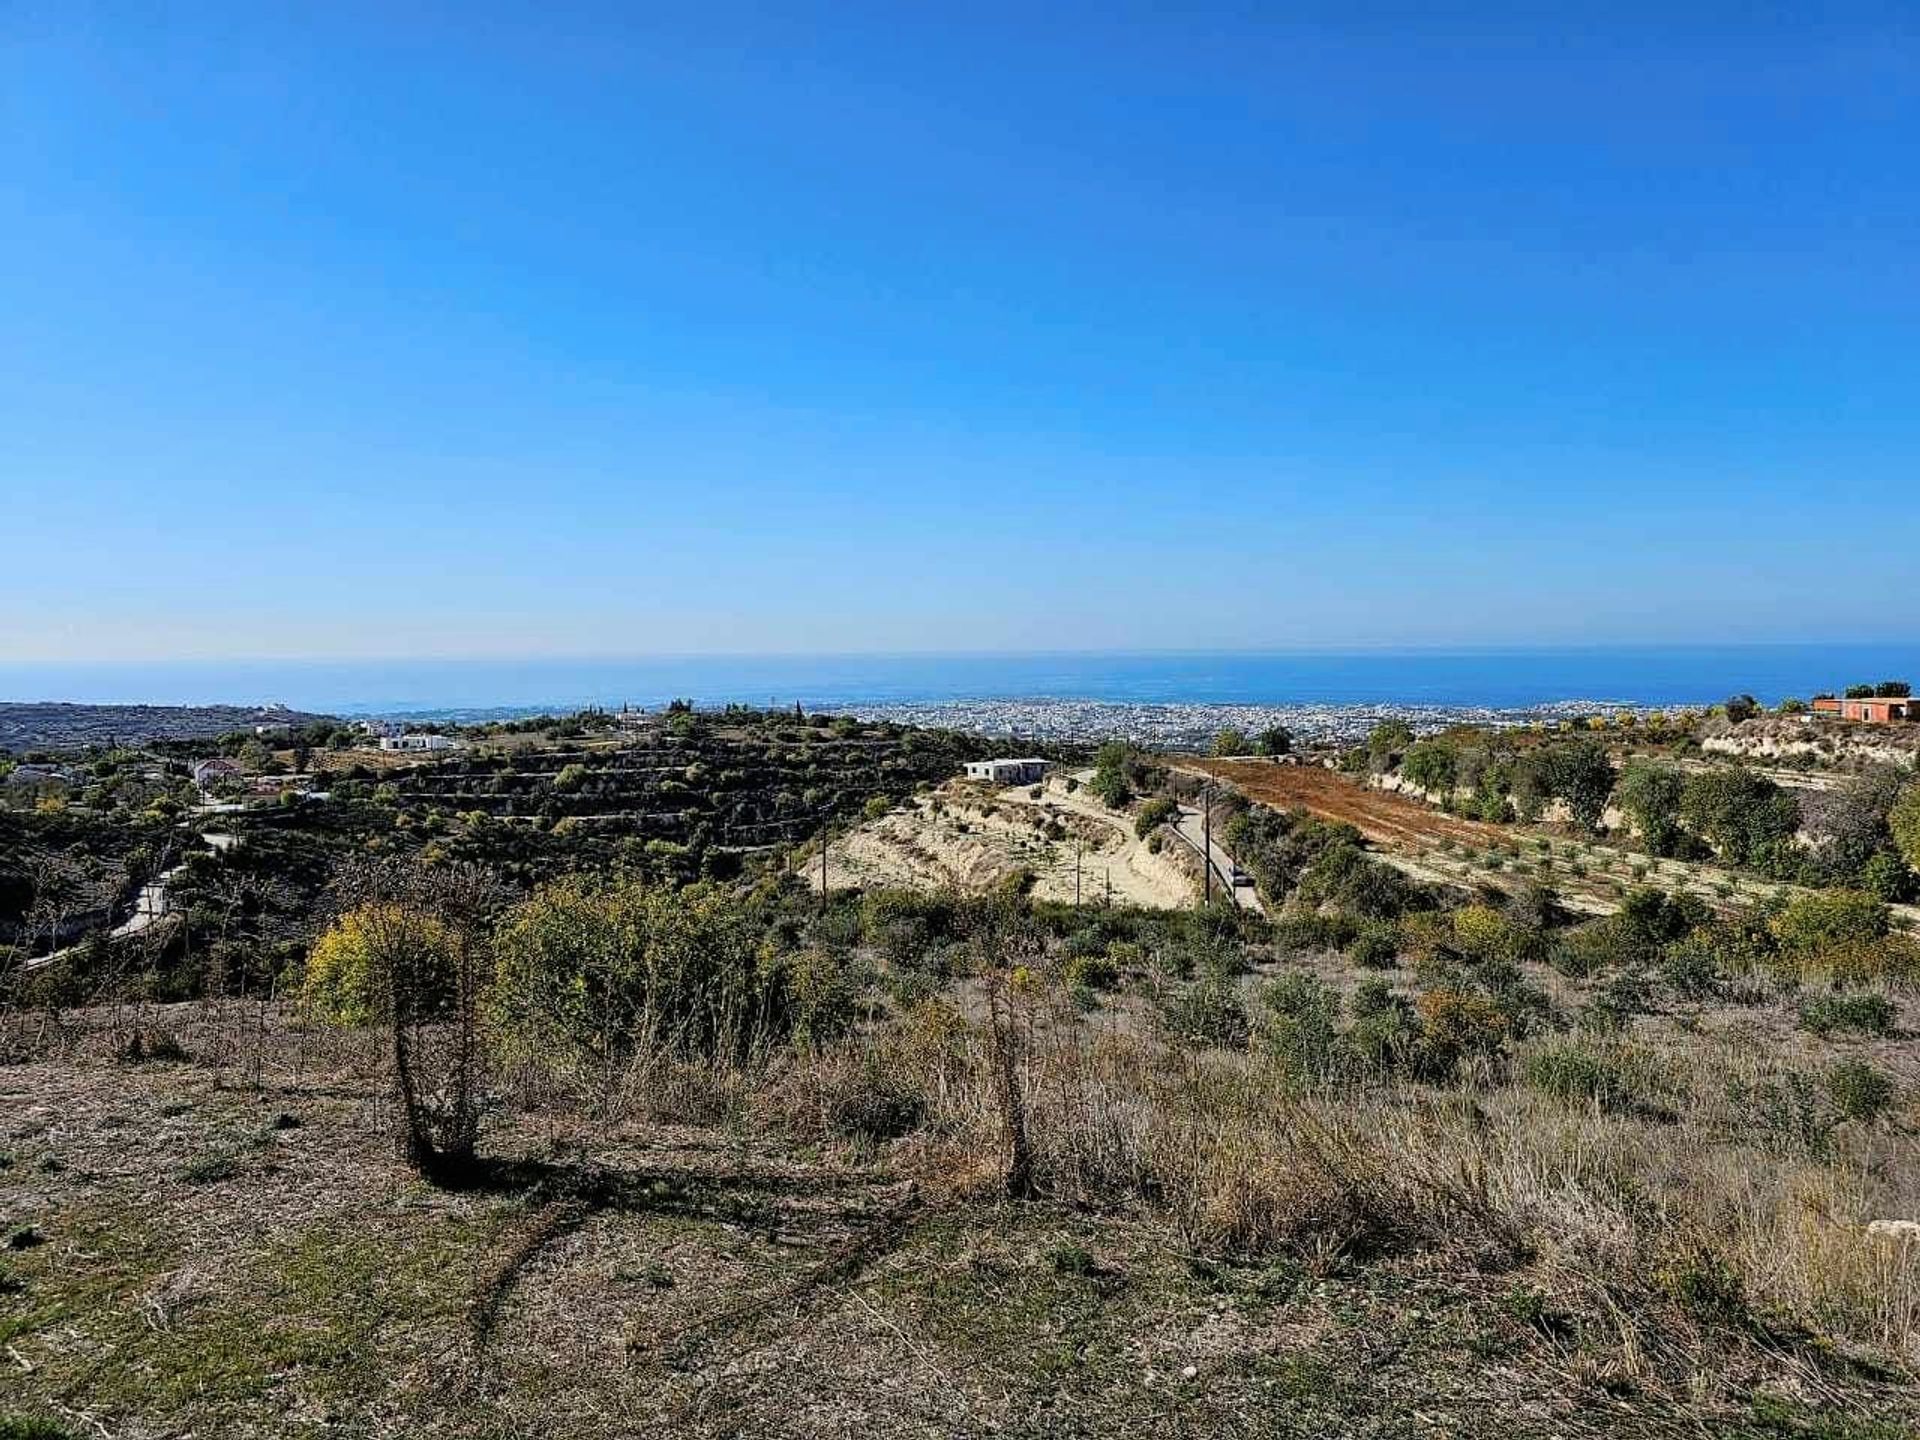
[(733, 783), (681, 798)]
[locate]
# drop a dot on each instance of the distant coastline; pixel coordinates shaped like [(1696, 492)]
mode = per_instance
[(1491, 679)]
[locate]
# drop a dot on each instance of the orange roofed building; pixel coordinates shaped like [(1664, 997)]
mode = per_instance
[(1880, 710)]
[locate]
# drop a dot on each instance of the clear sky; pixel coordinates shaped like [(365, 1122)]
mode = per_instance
[(405, 329)]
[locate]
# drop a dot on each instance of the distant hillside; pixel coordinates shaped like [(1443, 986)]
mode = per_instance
[(58, 726)]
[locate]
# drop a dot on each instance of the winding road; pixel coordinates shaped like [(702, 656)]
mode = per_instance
[(1192, 828)]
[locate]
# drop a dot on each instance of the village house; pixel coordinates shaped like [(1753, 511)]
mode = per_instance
[(214, 771), (1028, 771), (1874, 710), (415, 743)]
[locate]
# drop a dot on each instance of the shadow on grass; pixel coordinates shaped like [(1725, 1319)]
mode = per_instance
[(567, 1195)]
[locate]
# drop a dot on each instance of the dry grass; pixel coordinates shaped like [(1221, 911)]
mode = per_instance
[(819, 1246)]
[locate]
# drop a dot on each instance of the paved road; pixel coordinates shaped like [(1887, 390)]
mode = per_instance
[(1191, 827), (148, 906)]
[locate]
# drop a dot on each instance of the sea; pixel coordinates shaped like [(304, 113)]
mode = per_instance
[(482, 688)]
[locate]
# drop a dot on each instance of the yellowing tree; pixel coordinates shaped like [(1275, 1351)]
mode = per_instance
[(339, 984)]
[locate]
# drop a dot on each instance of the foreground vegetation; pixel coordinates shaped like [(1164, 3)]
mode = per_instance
[(611, 1148)]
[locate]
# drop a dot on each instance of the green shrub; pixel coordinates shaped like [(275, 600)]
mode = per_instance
[(1299, 930), (1299, 1025), (1385, 1032), (1860, 1091), (1208, 1012), (33, 1427), (1155, 813), (1096, 972), (590, 974), (1690, 968), (1865, 1014), (1376, 946), (1825, 919)]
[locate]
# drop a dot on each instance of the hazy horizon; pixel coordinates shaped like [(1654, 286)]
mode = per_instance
[(1498, 677)]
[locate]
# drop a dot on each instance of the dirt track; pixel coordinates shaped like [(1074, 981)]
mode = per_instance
[(1382, 816)]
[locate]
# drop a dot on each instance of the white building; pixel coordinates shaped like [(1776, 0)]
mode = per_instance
[(415, 742), (1029, 771)]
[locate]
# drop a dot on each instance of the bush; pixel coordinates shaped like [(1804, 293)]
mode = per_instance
[(1455, 1024), (1885, 876), (1904, 821), (1690, 968), (1828, 919), (32, 1427), (1431, 766), (1860, 1091), (1095, 972), (1863, 1014), (1231, 742), (1208, 1012), (339, 985), (590, 974), (1745, 817), (1301, 931), (1298, 1025), (1385, 1032), (1375, 947), (1153, 814)]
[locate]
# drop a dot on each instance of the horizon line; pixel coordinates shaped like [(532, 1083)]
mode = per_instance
[(1101, 652)]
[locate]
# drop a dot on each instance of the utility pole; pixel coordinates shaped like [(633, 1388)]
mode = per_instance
[(1078, 845), (823, 871)]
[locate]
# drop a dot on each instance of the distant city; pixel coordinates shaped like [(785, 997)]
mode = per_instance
[(1184, 726)]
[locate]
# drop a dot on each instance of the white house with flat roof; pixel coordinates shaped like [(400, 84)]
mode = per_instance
[(1028, 771), (415, 742)]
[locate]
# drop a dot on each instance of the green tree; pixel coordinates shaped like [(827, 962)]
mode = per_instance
[(1742, 815), (1274, 740), (1741, 707), (1389, 738), (341, 971), (1886, 877), (1581, 775), (1154, 813), (1230, 742), (1431, 765), (1893, 690), (1650, 794), (1110, 770)]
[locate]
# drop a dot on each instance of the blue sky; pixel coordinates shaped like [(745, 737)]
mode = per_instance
[(489, 330)]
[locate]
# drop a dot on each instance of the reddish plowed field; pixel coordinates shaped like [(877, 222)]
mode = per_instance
[(1381, 815)]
